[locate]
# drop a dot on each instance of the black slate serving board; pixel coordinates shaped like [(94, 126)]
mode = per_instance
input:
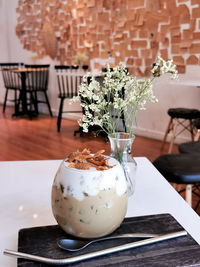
[(182, 251)]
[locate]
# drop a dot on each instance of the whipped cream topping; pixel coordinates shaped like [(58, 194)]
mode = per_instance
[(84, 183)]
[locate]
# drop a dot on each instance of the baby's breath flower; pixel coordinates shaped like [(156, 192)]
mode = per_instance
[(74, 99), (85, 127), (161, 67), (121, 95), (98, 121)]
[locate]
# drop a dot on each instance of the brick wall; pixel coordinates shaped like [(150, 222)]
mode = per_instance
[(131, 31)]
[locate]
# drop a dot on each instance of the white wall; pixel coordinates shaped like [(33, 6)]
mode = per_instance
[(3, 42), (171, 94), (152, 122)]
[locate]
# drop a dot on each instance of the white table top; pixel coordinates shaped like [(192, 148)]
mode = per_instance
[(25, 200)]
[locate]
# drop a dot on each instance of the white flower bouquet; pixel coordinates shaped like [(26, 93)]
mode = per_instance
[(120, 96)]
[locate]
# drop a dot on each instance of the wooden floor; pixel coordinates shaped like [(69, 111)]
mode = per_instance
[(23, 139)]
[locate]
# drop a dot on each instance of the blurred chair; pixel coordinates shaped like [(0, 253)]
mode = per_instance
[(181, 169), (37, 82), (196, 124), (85, 67), (194, 146), (12, 82), (178, 117), (184, 168), (69, 78), (190, 147)]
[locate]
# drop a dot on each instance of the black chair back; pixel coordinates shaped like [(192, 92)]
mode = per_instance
[(11, 79), (69, 78), (11, 65), (38, 77), (111, 69)]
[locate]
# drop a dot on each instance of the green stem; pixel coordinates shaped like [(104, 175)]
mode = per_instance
[(133, 113)]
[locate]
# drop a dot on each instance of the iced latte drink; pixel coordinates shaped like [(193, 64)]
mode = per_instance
[(89, 203)]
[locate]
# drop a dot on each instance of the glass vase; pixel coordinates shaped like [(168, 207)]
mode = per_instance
[(121, 146)]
